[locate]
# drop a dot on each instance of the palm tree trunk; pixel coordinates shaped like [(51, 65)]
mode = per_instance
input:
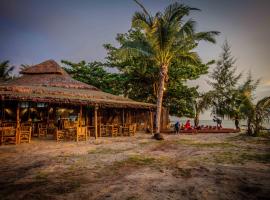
[(163, 75), (249, 128), (196, 120)]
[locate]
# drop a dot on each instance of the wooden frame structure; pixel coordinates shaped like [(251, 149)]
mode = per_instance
[(51, 102)]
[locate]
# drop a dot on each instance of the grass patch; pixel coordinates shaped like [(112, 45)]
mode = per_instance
[(175, 144), (261, 139), (105, 151), (205, 144), (119, 169), (236, 157), (65, 187), (185, 173), (262, 158), (138, 160), (41, 176)]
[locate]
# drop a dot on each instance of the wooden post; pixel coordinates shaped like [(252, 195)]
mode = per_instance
[(79, 128), (80, 124), (18, 124), (96, 122), (151, 121), (123, 117)]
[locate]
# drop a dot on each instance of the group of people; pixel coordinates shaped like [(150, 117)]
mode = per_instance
[(187, 125)]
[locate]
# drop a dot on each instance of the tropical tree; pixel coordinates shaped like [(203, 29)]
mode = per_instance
[(141, 74), (93, 73), (242, 98), (167, 38), (224, 82), (261, 114), (24, 66), (201, 104), (256, 115), (5, 70)]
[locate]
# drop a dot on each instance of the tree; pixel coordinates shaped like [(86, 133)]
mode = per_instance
[(241, 106), (141, 74), (5, 70), (24, 67), (202, 103), (94, 74), (167, 38), (261, 114), (224, 84)]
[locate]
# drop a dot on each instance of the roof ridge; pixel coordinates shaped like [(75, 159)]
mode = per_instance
[(46, 67)]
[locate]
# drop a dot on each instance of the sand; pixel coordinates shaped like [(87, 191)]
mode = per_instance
[(205, 166)]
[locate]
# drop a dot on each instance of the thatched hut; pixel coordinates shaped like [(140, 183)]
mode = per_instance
[(48, 100)]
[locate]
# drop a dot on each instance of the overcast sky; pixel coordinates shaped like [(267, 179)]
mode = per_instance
[(36, 30)]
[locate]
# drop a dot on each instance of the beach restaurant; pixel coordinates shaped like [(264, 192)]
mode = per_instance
[(46, 102)]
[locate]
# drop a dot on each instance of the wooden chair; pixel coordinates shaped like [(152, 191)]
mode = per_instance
[(9, 124), (60, 135), (91, 131), (125, 130), (132, 129), (9, 135), (115, 131), (71, 134), (25, 134), (42, 130), (81, 134)]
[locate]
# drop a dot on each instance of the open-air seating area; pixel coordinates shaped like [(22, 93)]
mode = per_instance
[(11, 134)]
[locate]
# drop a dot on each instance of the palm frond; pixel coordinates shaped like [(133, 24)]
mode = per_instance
[(176, 11), (206, 36)]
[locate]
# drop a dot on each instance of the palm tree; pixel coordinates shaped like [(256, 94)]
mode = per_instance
[(261, 113), (24, 67), (5, 70), (240, 105), (167, 38), (202, 103)]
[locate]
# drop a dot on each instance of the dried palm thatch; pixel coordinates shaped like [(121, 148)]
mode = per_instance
[(48, 82)]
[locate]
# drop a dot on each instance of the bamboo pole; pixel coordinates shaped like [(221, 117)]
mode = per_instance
[(151, 122), (96, 122), (18, 124), (80, 124), (123, 117)]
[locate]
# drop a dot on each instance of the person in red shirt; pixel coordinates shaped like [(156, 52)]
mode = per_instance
[(187, 125)]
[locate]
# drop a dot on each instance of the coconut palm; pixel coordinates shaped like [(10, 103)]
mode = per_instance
[(241, 102), (167, 37), (261, 114), (202, 103), (5, 70)]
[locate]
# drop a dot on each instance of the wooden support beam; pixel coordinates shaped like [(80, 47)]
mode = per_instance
[(80, 124), (151, 121), (123, 117), (18, 124), (96, 121)]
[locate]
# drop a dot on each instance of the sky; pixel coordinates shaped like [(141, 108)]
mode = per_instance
[(33, 31)]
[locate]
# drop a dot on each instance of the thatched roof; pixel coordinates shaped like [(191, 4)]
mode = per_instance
[(48, 82)]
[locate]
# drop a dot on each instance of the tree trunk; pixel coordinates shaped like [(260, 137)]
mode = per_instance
[(196, 120), (249, 128), (163, 75)]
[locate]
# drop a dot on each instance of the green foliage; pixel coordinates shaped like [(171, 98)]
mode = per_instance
[(224, 82), (95, 74), (5, 70), (201, 103), (163, 40)]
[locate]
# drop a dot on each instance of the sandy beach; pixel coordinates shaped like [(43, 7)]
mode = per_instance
[(205, 166)]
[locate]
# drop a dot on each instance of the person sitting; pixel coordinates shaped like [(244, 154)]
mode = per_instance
[(187, 125)]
